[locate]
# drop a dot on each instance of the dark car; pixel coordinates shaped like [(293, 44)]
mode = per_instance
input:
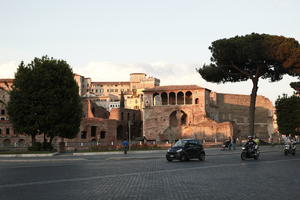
[(186, 149)]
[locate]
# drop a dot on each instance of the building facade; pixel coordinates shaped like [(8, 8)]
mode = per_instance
[(143, 109), (185, 111)]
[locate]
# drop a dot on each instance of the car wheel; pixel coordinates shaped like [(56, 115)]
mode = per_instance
[(169, 159), (202, 156), (183, 157), (285, 152)]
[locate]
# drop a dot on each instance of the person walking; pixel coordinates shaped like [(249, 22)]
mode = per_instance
[(230, 143), (125, 145), (233, 143)]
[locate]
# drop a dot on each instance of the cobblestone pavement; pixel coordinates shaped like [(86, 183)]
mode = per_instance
[(222, 176)]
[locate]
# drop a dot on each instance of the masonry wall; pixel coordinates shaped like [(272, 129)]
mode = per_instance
[(235, 108)]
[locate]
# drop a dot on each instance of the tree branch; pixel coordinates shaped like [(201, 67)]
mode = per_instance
[(241, 71)]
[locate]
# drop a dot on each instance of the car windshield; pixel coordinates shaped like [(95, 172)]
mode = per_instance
[(180, 143)]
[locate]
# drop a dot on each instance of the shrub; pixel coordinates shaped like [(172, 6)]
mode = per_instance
[(37, 146)]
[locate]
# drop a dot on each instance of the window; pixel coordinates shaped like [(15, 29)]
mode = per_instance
[(116, 90), (2, 112), (2, 118), (93, 131), (83, 135), (96, 90), (107, 90), (0, 131), (102, 134), (7, 131)]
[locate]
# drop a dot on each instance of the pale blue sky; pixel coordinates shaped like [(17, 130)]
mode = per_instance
[(168, 39)]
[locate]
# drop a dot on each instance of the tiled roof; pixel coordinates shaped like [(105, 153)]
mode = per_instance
[(174, 87)]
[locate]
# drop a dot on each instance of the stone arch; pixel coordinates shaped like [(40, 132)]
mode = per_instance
[(164, 98), (180, 98), (173, 121), (120, 132), (6, 142), (197, 101), (93, 142), (183, 119), (155, 99), (188, 97), (21, 143), (172, 98), (177, 118)]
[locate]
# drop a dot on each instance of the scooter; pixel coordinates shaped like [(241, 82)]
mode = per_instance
[(290, 148)]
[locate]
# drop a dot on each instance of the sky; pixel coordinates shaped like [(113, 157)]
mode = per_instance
[(107, 40)]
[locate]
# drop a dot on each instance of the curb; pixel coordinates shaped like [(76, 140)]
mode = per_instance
[(28, 155), (116, 153)]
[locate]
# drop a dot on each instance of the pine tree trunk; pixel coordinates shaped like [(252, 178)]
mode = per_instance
[(252, 107)]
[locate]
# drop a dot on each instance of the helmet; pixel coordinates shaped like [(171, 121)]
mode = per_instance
[(250, 137)]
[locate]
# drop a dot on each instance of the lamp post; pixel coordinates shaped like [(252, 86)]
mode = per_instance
[(129, 135)]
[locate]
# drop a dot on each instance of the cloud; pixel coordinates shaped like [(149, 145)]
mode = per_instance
[(168, 73), (8, 69)]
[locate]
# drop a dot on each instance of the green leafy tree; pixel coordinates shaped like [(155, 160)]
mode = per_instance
[(296, 86), (288, 114), (45, 99), (252, 56)]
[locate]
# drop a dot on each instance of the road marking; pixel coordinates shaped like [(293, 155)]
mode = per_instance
[(13, 185)]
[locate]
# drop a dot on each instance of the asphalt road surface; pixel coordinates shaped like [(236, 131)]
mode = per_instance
[(223, 175)]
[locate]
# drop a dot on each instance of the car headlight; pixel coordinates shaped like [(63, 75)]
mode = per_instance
[(243, 148), (169, 150), (179, 150)]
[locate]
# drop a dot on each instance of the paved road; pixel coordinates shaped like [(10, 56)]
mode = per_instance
[(149, 176)]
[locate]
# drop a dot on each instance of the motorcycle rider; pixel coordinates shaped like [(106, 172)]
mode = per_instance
[(290, 141), (251, 144)]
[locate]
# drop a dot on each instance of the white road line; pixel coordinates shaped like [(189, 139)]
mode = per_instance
[(137, 173)]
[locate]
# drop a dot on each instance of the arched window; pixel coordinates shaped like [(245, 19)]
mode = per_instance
[(188, 97), (196, 101), (164, 98), (155, 95), (94, 142), (180, 98), (172, 98)]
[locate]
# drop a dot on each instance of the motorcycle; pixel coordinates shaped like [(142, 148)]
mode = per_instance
[(290, 148), (250, 152)]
